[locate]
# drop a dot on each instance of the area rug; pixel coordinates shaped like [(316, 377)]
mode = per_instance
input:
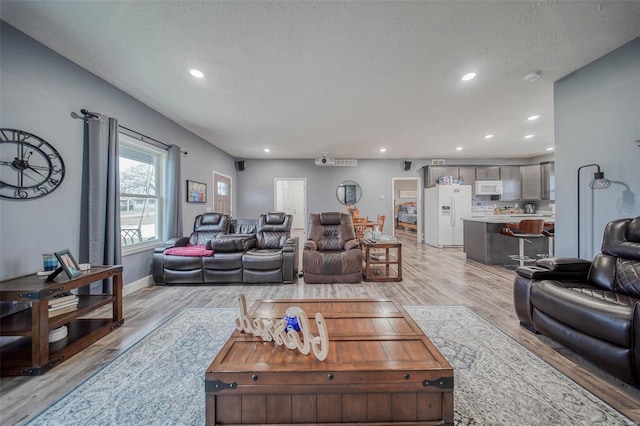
[(160, 380)]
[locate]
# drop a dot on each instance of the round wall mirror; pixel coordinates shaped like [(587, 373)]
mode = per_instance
[(349, 192)]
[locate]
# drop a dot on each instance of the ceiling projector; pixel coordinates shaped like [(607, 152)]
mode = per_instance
[(325, 160)]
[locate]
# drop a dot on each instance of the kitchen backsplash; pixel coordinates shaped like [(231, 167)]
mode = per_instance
[(487, 207)]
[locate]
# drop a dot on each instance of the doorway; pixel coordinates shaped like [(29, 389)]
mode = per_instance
[(407, 207), (291, 198), (221, 193)]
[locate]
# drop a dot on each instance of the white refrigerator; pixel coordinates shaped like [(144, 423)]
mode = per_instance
[(445, 206)]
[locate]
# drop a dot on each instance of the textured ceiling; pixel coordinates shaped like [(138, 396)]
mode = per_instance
[(346, 78)]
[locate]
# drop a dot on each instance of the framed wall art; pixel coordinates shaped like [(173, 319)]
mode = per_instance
[(196, 192), (408, 194)]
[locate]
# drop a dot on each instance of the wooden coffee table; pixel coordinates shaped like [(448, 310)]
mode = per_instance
[(381, 369)]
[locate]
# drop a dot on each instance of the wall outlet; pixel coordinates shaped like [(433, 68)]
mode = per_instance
[(209, 209)]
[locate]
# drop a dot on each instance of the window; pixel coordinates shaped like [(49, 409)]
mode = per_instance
[(223, 188), (141, 192)]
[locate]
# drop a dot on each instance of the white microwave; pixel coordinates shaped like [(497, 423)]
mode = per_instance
[(488, 187)]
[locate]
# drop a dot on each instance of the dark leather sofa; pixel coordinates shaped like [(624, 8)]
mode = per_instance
[(244, 250), (592, 308)]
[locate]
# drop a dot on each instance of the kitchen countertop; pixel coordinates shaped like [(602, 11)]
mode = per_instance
[(508, 218), (484, 243)]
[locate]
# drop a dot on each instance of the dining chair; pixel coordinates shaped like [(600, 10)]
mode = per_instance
[(360, 226)]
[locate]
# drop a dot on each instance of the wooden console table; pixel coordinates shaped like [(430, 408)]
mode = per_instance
[(373, 257), (33, 354)]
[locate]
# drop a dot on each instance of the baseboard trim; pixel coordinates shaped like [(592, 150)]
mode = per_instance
[(143, 282)]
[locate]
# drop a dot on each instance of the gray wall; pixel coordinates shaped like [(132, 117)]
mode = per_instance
[(597, 120), (256, 183), (39, 91)]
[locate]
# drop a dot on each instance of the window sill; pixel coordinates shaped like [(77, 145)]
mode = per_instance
[(139, 248)]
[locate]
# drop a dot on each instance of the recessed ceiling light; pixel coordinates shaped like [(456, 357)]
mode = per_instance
[(459, 148), (488, 136), (469, 76), (550, 148), (533, 117), (196, 73), (267, 150), (528, 136), (383, 149)]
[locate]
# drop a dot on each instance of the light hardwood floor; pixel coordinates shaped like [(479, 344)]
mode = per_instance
[(431, 277)]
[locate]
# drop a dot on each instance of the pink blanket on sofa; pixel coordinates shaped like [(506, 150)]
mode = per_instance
[(189, 250)]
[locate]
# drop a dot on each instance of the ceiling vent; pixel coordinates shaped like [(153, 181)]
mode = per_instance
[(345, 163), (437, 162)]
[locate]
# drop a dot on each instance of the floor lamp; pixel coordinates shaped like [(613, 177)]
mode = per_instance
[(598, 182)]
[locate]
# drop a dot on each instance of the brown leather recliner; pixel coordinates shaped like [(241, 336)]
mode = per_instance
[(593, 308), (331, 253)]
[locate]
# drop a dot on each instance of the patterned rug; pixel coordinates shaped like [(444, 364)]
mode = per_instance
[(160, 380)]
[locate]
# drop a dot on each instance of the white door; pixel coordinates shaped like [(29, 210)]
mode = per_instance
[(222, 193), (402, 188), (291, 198)]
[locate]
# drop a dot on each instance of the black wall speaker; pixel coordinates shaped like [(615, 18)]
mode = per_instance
[(240, 165), (407, 166)]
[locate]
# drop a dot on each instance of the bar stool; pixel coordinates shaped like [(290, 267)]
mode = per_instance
[(524, 231), (549, 232)]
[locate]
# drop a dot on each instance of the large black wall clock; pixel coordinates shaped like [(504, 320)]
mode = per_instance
[(29, 166)]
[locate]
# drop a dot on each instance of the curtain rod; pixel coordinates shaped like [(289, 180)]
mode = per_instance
[(143, 136)]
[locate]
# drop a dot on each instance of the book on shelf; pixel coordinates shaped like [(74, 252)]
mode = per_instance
[(64, 310), (64, 304), (63, 298), (63, 301)]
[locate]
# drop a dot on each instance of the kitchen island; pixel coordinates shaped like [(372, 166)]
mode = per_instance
[(484, 243)]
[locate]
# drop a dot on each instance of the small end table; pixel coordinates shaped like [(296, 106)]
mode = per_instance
[(371, 272)]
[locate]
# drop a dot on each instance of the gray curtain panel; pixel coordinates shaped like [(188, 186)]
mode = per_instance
[(173, 220), (100, 224)]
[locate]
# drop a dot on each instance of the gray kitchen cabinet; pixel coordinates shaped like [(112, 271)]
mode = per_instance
[(531, 179), (432, 173), (488, 173), (530, 182), (467, 174), (547, 183), (538, 181), (511, 185)]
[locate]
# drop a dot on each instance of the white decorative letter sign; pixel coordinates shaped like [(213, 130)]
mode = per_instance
[(275, 330)]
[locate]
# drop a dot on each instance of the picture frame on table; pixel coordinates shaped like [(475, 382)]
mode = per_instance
[(196, 192), (68, 263)]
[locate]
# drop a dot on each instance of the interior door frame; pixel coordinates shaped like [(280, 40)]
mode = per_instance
[(214, 191), (418, 182), (304, 201)]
